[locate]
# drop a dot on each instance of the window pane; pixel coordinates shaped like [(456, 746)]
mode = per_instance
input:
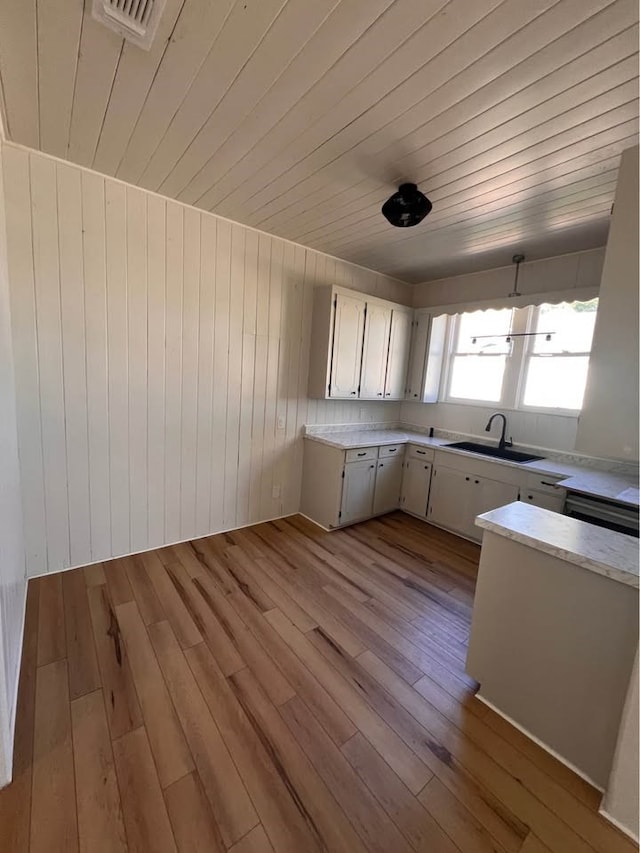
[(474, 328), (477, 377), (571, 325), (556, 383)]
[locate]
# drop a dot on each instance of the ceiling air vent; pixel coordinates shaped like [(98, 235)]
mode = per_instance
[(134, 20)]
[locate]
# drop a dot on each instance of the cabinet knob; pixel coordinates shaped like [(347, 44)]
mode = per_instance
[(415, 395), (353, 393), (467, 479), (388, 393), (476, 482), (372, 466), (381, 465), (379, 393)]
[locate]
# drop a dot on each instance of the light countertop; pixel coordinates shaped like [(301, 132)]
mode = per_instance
[(614, 555), (577, 478)]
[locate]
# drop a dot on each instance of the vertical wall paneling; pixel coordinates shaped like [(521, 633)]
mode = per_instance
[(25, 351), (48, 317), (118, 363), (97, 388), (74, 359), (173, 377), (137, 341), (161, 358), (190, 344), (156, 296), (208, 235), (220, 364)]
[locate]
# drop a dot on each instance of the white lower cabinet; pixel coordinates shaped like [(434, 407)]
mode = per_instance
[(358, 491), (415, 486), (386, 495), (457, 497)]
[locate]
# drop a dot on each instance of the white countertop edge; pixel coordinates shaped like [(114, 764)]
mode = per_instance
[(606, 552)]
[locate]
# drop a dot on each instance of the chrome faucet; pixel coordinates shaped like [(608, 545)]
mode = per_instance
[(503, 441)]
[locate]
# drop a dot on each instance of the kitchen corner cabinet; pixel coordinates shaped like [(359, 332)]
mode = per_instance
[(360, 346), (341, 487)]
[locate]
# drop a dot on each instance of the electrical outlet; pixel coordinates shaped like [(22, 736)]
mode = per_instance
[(282, 422), (275, 491)]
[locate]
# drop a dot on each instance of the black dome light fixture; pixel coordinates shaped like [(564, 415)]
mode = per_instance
[(407, 207)]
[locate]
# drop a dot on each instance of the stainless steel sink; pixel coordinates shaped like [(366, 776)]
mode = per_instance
[(495, 452)]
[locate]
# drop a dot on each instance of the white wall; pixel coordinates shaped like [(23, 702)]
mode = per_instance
[(161, 359), (12, 559), (609, 419), (551, 275), (621, 798), (556, 432)]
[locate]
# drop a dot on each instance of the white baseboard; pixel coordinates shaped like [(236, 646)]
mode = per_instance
[(605, 814)]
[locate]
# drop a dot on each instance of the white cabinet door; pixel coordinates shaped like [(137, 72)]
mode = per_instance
[(377, 328), (399, 346), (490, 494), (415, 486), (346, 359), (546, 501), (357, 491), (388, 485), (417, 357), (450, 499)]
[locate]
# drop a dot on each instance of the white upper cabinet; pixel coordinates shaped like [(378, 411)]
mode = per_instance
[(398, 360), (359, 346), (346, 357), (425, 361), (375, 351)]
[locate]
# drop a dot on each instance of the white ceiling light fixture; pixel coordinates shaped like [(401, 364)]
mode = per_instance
[(134, 20)]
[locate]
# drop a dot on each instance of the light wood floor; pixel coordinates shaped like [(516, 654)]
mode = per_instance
[(276, 688)]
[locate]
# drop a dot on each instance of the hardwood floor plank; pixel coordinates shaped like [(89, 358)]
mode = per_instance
[(332, 718), (255, 841), (213, 633), (375, 829), (52, 644), (238, 565), (406, 764), (100, 823), (170, 751), (53, 809), (171, 597), (15, 799), (121, 700), (211, 559), (84, 675), (94, 575), (533, 845), (145, 815), (115, 572), (194, 826), (227, 795), (459, 824), (252, 653), (326, 822), (274, 799), (143, 591), (406, 810)]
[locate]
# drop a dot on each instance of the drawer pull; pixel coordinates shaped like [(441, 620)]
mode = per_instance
[(364, 453), (393, 450), (422, 452), (547, 483)]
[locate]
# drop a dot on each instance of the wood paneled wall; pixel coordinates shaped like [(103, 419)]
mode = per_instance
[(12, 558), (161, 363)]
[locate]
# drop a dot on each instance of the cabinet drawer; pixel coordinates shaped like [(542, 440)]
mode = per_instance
[(414, 451), (391, 450), (545, 483), (358, 454)]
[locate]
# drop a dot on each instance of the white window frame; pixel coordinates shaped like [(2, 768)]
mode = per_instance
[(516, 367)]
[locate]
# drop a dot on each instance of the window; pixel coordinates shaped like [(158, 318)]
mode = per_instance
[(557, 356), (479, 355), (530, 358)]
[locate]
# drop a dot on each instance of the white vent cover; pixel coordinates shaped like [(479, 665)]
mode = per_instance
[(134, 20)]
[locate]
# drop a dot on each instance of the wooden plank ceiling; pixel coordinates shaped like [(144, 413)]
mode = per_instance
[(299, 117)]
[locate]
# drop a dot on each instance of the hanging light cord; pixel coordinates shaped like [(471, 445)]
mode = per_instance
[(517, 260)]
